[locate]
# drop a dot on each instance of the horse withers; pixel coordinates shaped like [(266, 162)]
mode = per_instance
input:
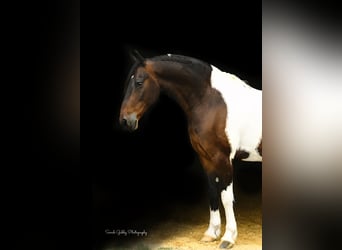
[(224, 116)]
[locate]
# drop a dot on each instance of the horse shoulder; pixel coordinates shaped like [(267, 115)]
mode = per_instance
[(208, 137)]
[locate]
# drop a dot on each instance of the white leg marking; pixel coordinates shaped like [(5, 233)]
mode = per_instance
[(214, 229), (227, 197)]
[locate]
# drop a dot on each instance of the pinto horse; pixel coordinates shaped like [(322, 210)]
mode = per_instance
[(224, 117)]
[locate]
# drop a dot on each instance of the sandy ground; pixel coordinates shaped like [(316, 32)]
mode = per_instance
[(186, 224)]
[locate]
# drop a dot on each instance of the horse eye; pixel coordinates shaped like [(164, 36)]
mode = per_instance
[(139, 83)]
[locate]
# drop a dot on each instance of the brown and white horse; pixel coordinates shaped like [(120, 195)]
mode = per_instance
[(224, 117)]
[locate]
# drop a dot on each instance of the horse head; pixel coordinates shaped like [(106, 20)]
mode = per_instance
[(142, 90)]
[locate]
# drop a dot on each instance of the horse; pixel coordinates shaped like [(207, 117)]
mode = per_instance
[(224, 119)]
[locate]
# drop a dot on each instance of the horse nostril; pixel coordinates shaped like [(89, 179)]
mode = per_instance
[(124, 122)]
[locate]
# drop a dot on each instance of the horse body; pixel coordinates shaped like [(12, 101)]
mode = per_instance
[(244, 118), (224, 122)]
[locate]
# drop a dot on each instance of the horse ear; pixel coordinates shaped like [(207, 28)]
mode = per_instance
[(136, 56)]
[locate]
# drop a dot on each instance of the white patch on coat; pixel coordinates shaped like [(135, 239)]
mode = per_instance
[(227, 198), (214, 229), (244, 113)]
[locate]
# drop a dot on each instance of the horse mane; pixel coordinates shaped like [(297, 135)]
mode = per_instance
[(178, 58), (198, 66), (194, 63)]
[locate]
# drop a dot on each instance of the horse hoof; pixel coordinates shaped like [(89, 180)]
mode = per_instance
[(207, 238), (226, 245)]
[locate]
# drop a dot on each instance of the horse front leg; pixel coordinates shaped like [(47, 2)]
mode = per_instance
[(230, 235), (214, 229), (220, 183), (216, 159)]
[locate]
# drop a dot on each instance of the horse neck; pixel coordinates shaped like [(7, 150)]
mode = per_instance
[(187, 93)]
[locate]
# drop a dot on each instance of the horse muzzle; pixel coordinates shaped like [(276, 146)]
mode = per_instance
[(129, 122)]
